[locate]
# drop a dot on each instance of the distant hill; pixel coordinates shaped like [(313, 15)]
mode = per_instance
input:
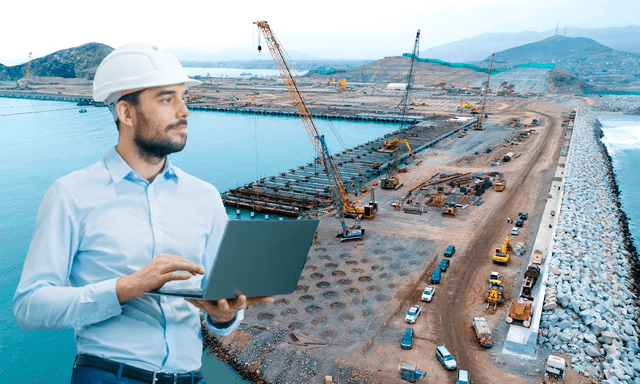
[(77, 62), (552, 49), (477, 48)]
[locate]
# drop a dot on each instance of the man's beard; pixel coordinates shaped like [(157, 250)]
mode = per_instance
[(157, 146)]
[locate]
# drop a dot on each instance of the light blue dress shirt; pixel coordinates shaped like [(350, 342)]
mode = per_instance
[(104, 222)]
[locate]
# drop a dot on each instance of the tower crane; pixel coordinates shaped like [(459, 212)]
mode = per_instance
[(478, 125), (345, 205)]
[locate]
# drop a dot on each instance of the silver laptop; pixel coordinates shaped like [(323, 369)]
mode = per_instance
[(255, 258)]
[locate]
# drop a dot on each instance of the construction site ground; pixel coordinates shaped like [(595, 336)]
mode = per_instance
[(348, 310), (350, 304)]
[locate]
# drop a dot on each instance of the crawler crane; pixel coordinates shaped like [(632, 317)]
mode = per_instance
[(391, 180), (478, 125), (345, 205)]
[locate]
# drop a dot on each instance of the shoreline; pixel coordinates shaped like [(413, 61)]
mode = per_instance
[(634, 257), (593, 274)]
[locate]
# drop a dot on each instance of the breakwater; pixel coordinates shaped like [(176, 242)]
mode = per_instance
[(591, 272)]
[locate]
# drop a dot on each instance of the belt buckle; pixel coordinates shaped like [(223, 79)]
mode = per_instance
[(154, 379)]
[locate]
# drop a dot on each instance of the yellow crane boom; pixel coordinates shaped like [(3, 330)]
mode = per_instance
[(283, 62)]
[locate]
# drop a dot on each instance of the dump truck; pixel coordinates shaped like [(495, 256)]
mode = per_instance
[(520, 312), (410, 372), (554, 370), (530, 277), (500, 184), (483, 332)]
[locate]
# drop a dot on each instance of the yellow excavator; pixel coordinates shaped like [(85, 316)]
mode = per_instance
[(390, 146), (464, 104), (502, 255)]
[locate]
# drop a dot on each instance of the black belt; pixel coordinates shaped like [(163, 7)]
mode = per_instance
[(137, 373)]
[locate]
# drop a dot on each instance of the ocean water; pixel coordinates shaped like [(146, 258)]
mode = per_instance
[(622, 139), (44, 140), (235, 72)]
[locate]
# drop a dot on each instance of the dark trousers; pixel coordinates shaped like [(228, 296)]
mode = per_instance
[(89, 375)]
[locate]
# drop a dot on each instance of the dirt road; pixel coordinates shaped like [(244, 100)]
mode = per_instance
[(526, 189)]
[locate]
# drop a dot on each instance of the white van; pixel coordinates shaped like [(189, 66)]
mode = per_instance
[(462, 377)]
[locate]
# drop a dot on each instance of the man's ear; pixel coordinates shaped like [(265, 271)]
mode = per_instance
[(125, 112)]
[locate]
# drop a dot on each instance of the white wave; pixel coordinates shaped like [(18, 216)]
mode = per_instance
[(621, 135)]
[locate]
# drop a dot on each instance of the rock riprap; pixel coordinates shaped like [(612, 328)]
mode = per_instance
[(590, 312)]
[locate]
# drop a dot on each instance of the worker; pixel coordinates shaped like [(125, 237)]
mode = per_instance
[(126, 225)]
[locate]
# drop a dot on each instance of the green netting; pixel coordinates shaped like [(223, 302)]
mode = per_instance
[(479, 69)]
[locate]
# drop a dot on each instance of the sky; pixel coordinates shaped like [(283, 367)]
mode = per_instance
[(328, 29)]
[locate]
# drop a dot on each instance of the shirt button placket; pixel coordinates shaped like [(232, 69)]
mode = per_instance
[(154, 219)]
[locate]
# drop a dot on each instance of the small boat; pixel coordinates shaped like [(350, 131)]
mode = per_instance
[(82, 110)]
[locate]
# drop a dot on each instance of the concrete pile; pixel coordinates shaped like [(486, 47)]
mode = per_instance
[(590, 313), (618, 103)]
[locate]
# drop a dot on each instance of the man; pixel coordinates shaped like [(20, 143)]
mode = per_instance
[(126, 225)]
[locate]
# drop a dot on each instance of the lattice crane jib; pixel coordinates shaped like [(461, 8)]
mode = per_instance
[(283, 62), (486, 92), (414, 55)]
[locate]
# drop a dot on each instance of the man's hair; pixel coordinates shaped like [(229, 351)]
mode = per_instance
[(132, 98)]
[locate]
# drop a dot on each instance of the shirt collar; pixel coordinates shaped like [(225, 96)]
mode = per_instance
[(119, 169)]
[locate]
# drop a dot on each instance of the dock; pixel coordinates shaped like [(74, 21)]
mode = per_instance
[(307, 187)]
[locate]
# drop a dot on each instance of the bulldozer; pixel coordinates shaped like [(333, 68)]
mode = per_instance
[(502, 254), (450, 210), (494, 292)]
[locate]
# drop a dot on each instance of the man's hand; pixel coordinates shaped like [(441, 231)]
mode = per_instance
[(222, 311), (155, 274)]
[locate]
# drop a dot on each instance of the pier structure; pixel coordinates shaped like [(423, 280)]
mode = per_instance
[(307, 187)]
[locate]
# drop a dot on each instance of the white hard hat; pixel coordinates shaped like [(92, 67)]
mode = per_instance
[(134, 67)]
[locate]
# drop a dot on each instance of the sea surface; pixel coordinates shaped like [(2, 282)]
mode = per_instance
[(44, 140), (235, 72), (622, 139)]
